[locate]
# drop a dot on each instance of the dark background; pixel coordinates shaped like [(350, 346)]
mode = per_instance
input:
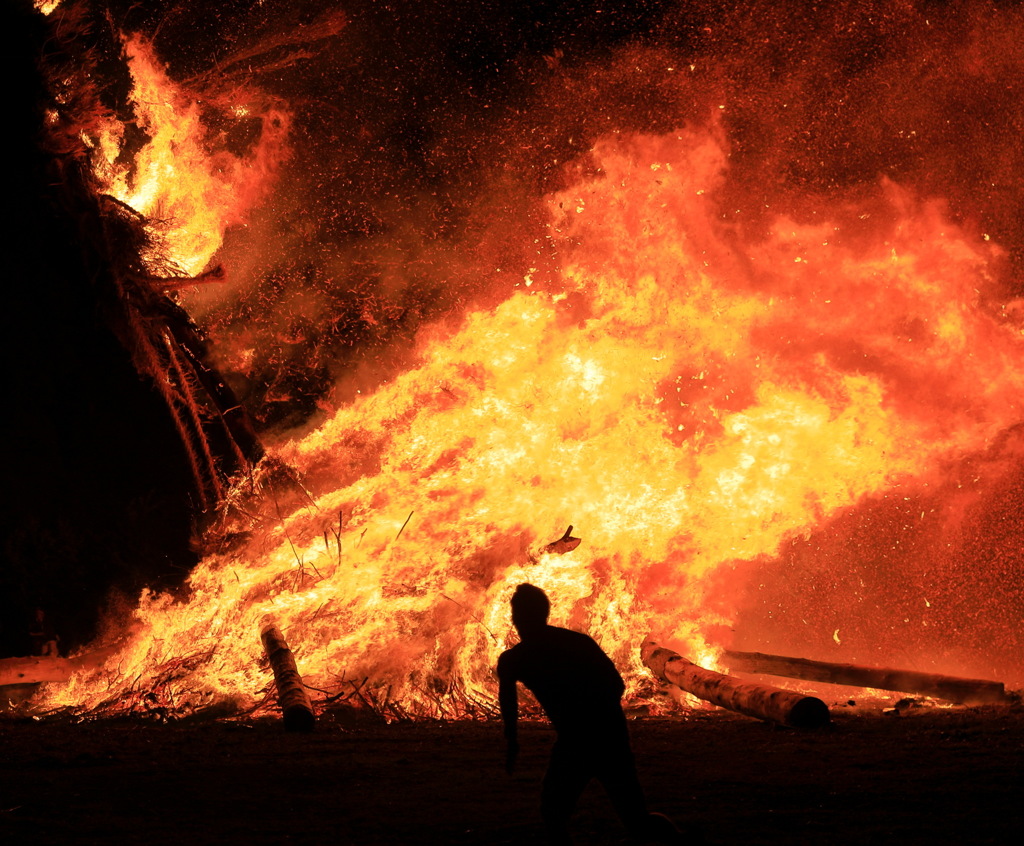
[(919, 778)]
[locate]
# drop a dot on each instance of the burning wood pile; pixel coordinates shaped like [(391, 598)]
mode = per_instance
[(789, 408)]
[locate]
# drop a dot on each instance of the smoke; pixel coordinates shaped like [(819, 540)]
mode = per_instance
[(926, 577)]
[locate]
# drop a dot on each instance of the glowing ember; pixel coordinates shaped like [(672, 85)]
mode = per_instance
[(686, 398)]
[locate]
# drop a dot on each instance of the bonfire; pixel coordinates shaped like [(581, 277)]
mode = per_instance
[(773, 416)]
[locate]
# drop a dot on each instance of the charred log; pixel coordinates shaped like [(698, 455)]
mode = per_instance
[(296, 707), (755, 700), (950, 688)]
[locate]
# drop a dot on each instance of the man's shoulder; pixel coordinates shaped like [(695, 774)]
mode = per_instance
[(510, 657), (571, 633), (571, 636), (552, 641), (509, 653)]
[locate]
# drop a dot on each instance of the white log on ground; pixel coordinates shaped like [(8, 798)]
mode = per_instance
[(296, 707), (761, 701)]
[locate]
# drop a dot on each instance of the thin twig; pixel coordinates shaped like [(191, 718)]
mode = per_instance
[(358, 690), (337, 534), (295, 552), (472, 616), (406, 523)]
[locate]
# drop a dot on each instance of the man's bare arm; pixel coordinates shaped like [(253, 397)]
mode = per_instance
[(508, 700)]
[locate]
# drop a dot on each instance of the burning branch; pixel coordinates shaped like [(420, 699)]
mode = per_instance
[(175, 283), (755, 700), (406, 523), (276, 51)]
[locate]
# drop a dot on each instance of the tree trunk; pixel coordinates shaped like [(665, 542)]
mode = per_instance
[(951, 688), (755, 700), (291, 692)]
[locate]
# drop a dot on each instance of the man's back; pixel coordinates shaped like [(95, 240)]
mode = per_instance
[(576, 684)]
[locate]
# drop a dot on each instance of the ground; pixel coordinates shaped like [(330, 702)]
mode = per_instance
[(920, 775)]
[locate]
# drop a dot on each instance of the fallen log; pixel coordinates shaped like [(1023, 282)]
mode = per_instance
[(52, 668), (951, 688), (755, 700), (296, 707)]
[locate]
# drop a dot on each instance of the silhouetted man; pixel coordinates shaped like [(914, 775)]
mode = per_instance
[(579, 689)]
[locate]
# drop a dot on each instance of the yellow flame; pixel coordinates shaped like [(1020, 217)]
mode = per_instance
[(684, 406)]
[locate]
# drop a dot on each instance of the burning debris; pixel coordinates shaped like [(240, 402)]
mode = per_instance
[(566, 543)]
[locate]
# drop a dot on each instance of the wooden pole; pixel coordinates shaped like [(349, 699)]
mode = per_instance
[(291, 692), (755, 700), (950, 688), (33, 670), (51, 668)]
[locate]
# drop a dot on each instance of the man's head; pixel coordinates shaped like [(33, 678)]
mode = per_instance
[(530, 607)]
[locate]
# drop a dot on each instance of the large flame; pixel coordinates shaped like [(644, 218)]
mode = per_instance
[(687, 395), (184, 179)]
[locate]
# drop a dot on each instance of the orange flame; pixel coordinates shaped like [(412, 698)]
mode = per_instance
[(190, 190), (686, 395)]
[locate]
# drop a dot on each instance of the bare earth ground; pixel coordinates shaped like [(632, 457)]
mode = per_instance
[(926, 775)]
